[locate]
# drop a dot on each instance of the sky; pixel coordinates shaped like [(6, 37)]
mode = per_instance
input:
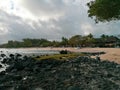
[(49, 19)]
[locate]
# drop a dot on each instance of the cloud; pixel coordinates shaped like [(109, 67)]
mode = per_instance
[(44, 9), (50, 19)]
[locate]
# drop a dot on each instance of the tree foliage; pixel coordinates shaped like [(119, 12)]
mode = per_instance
[(64, 41), (104, 10), (74, 41)]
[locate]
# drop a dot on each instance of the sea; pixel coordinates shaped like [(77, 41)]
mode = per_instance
[(24, 52), (28, 51)]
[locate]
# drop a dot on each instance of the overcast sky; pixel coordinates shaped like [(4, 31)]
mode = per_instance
[(50, 19)]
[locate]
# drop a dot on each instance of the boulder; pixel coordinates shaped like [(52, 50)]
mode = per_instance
[(1, 66)]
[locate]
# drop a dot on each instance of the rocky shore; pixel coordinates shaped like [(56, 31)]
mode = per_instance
[(80, 73)]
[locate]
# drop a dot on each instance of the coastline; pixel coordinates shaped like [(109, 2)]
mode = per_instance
[(111, 54), (30, 73)]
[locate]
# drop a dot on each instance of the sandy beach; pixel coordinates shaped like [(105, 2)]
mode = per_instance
[(112, 54)]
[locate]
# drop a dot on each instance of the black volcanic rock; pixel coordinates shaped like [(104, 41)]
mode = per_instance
[(63, 52), (1, 66), (81, 73), (4, 61)]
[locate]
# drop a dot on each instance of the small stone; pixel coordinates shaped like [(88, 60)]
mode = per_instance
[(0, 66), (2, 73), (73, 88)]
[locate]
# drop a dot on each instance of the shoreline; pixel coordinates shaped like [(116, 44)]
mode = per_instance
[(111, 54)]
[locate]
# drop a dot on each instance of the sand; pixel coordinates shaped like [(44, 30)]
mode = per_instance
[(112, 54)]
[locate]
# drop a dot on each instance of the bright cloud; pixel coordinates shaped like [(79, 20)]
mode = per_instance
[(87, 28), (50, 19)]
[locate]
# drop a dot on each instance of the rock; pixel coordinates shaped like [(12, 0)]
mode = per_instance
[(11, 55), (74, 88), (10, 68), (17, 77), (18, 55), (21, 87), (36, 69), (4, 61), (63, 52), (17, 66), (2, 55), (37, 56), (14, 70), (6, 88), (81, 73), (1, 66), (2, 73), (38, 88)]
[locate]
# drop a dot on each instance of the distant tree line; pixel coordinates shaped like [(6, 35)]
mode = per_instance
[(74, 41)]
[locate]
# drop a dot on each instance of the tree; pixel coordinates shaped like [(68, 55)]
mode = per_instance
[(27, 42), (55, 44), (89, 40), (90, 35), (64, 41), (75, 40), (104, 37), (10, 43), (104, 10)]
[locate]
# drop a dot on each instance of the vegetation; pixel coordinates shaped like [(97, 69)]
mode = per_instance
[(59, 56), (104, 10), (74, 41)]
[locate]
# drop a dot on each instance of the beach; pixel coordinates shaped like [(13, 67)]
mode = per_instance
[(81, 73), (111, 54)]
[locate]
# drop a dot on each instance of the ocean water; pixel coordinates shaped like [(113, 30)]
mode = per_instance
[(24, 51), (28, 51)]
